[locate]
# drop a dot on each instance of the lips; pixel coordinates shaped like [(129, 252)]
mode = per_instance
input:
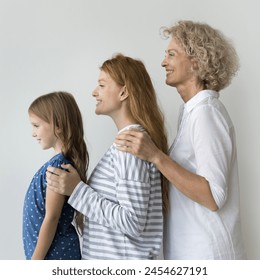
[(169, 72)]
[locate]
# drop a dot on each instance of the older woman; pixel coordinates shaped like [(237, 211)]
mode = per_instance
[(203, 221)]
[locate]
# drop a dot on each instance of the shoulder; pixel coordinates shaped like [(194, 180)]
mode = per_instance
[(211, 111), (58, 160), (130, 167)]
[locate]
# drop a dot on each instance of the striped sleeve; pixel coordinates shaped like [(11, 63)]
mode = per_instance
[(128, 213)]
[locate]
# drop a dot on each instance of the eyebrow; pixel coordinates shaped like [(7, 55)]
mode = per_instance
[(170, 50), (34, 123)]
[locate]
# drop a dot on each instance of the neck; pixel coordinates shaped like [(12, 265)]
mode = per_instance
[(123, 119), (57, 147), (121, 123), (188, 92)]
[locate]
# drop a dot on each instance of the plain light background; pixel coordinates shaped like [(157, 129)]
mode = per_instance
[(53, 45)]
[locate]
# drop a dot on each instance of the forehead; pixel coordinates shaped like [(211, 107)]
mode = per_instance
[(35, 119), (174, 45), (103, 76)]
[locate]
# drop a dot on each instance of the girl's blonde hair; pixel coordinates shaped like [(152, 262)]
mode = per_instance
[(61, 110), (132, 74), (216, 58)]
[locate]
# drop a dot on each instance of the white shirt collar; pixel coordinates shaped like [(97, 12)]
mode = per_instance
[(189, 105)]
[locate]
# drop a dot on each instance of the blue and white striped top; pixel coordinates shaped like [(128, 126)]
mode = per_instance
[(123, 207)]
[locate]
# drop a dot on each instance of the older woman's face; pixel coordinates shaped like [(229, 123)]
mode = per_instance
[(179, 71)]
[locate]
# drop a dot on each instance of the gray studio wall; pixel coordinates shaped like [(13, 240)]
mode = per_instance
[(58, 45)]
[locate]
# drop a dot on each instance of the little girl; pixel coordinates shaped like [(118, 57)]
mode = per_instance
[(48, 232)]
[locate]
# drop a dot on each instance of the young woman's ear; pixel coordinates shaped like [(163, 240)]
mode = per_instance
[(123, 94)]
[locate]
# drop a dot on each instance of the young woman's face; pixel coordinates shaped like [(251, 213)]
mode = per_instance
[(44, 134), (177, 65), (107, 95)]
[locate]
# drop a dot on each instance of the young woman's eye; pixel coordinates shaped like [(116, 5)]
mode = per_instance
[(101, 85)]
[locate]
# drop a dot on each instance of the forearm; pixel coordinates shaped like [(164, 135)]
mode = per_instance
[(190, 184), (45, 238), (121, 216)]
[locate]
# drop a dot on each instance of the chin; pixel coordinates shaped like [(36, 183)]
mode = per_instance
[(169, 83), (45, 147)]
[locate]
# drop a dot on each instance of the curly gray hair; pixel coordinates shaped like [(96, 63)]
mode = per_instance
[(214, 54)]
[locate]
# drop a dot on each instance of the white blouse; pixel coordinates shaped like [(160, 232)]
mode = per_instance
[(205, 145)]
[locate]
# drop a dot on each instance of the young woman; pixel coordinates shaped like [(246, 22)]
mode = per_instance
[(48, 232), (123, 198)]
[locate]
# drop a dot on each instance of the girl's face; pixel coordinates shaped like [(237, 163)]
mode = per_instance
[(108, 95), (44, 133)]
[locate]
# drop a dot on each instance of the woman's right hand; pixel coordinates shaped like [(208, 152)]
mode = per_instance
[(137, 143)]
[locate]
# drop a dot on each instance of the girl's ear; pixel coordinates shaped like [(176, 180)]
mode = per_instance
[(57, 131), (123, 94)]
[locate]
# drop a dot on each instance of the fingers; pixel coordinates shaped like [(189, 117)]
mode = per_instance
[(53, 182), (68, 167), (130, 134), (127, 147), (123, 148), (59, 172), (51, 178), (54, 170), (126, 138), (124, 145)]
